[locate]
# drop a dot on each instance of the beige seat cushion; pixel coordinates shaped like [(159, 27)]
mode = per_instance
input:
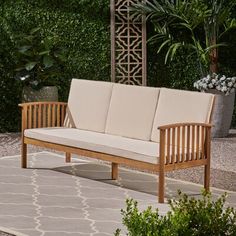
[(110, 144), (88, 104), (131, 111), (178, 106)]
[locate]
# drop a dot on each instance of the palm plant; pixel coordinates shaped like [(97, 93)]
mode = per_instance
[(196, 25)]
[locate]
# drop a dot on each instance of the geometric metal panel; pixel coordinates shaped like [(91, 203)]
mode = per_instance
[(128, 44)]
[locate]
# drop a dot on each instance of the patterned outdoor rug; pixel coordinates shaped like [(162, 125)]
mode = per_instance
[(9, 232), (54, 198)]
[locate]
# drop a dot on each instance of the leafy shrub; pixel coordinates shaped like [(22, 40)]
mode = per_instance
[(188, 216), (84, 36)]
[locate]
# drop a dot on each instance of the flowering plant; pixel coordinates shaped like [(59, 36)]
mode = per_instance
[(215, 81)]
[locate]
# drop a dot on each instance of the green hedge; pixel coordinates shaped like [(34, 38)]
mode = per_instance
[(83, 30)]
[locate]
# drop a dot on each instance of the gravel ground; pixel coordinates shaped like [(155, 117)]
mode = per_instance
[(223, 165)]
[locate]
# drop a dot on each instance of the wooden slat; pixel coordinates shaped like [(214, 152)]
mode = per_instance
[(35, 116), (162, 166), (30, 117), (44, 115), (183, 143), (58, 115), (173, 146), (208, 159), (42, 103), (53, 115), (185, 165), (68, 157), (197, 143), (168, 147), (178, 145), (183, 124), (193, 142), (114, 171), (49, 124), (40, 116), (62, 115), (188, 143), (202, 142)]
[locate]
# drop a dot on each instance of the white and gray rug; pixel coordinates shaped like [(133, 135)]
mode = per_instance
[(9, 232), (54, 198)]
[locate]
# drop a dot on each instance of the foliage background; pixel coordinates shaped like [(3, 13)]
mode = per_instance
[(83, 30)]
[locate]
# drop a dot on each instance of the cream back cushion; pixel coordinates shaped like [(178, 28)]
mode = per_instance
[(179, 106), (88, 104), (131, 111)]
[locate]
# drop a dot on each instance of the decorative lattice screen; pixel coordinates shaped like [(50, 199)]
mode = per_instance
[(128, 45)]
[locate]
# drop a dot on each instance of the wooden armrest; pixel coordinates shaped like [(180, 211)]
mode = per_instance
[(42, 114), (183, 124), (184, 142)]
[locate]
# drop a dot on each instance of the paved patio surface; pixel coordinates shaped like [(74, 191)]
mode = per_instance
[(54, 198)]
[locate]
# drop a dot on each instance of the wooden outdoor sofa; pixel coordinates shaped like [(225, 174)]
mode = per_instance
[(154, 129)]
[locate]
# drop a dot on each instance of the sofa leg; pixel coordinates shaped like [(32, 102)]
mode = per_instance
[(24, 155), (68, 157), (114, 171), (161, 187), (207, 177)]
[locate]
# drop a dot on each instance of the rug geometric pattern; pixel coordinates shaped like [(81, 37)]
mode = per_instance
[(54, 198)]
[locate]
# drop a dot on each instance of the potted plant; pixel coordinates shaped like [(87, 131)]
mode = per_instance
[(197, 27), (39, 64)]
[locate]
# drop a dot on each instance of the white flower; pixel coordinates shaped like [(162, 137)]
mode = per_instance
[(213, 81), (223, 78), (221, 83), (22, 78), (224, 89), (196, 85)]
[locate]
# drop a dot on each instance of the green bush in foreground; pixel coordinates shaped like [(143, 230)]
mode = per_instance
[(188, 216)]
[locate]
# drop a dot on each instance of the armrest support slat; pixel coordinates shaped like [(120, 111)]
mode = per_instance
[(42, 114), (184, 142)]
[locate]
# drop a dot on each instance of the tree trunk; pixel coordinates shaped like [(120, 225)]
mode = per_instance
[(214, 58)]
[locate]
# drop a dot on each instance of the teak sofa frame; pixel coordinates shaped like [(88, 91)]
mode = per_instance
[(173, 139)]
